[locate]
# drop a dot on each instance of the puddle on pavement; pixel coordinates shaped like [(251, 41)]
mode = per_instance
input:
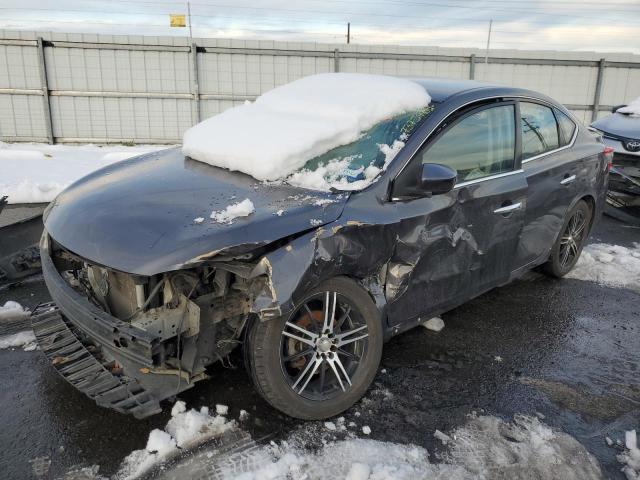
[(583, 402)]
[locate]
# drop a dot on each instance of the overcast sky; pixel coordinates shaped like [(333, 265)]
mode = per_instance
[(534, 24)]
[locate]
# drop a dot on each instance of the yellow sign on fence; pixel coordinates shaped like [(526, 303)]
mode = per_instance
[(177, 20)]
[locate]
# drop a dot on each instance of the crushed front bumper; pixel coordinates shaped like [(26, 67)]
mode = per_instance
[(72, 359), (84, 343)]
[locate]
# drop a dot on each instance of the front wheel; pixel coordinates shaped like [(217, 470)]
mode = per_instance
[(568, 246), (320, 360)]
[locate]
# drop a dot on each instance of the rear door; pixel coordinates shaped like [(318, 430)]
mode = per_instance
[(473, 244), (551, 170)]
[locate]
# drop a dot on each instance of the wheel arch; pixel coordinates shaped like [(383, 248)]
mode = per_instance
[(591, 203), (304, 263)]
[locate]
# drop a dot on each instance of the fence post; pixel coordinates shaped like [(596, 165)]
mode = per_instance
[(195, 87), (472, 66), (336, 60), (44, 84), (596, 96)]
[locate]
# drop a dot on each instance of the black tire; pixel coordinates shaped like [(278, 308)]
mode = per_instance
[(268, 345), (572, 238)]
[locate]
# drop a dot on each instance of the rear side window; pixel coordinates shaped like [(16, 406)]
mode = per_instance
[(480, 145), (567, 127), (539, 130)]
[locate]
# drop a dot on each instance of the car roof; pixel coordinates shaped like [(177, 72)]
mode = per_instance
[(440, 89)]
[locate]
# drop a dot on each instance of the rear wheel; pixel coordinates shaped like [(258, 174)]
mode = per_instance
[(568, 246), (318, 361)]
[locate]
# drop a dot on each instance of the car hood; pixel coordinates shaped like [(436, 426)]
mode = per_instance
[(620, 125), (137, 216)]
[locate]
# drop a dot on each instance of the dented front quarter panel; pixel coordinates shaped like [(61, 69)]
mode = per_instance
[(379, 247)]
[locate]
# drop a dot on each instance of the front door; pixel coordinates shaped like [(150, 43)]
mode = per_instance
[(474, 235)]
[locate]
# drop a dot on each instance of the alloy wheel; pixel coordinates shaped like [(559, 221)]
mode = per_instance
[(322, 346), (571, 240)]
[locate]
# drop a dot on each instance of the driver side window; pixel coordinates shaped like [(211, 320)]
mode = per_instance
[(479, 145)]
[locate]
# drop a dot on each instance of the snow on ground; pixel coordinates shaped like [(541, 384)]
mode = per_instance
[(632, 108), (631, 456), (25, 340), (293, 123), (185, 429), (611, 265), (485, 447), (236, 210), (34, 173), (435, 324), (13, 311)]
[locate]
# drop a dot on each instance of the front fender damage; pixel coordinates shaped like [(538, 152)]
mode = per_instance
[(342, 250), (382, 257)]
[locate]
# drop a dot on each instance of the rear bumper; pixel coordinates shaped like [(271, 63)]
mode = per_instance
[(80, 323)]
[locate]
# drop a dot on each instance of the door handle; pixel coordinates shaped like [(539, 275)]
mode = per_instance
[(509, 208), (567, 180)]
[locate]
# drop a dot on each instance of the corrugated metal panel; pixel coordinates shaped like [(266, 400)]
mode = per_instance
[(120, 118), (19, 67), (22, 117)]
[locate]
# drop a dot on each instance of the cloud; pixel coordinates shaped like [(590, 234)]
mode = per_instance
[(532, 25)]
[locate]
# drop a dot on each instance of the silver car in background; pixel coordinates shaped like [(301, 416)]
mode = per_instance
[(621, 132)]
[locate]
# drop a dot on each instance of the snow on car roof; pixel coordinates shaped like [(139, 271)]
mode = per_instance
[(289, 125), (632, 109)]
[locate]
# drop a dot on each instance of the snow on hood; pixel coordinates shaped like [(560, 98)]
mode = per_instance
[(632, 109), (289, 125)]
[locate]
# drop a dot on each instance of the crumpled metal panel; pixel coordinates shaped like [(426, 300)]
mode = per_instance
[(382, 253)]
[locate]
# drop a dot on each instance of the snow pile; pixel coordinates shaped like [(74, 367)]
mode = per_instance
[(34, 173), (631, 457), (486, 447), (354, 459), (25, 340), (277, 134), (632, 109), (525, 448), (612, 265), (13, 311), (233, 211), (186, 429)]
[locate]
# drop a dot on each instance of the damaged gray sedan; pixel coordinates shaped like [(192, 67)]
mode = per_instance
[(149, 289)]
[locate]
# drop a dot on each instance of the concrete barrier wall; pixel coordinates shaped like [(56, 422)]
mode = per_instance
[(57, 87)]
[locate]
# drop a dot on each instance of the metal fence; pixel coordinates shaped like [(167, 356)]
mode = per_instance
[(101, 88)]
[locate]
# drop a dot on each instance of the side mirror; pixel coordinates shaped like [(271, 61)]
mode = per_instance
[(436, 178), (615, 109)]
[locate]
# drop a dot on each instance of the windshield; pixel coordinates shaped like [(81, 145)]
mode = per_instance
[(357, 164)]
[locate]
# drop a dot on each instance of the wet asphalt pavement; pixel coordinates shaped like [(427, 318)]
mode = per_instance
[(567, 351)]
